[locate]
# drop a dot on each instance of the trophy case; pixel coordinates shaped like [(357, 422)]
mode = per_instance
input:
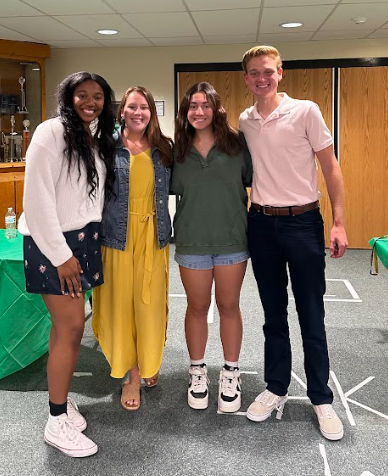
[(22, 108)]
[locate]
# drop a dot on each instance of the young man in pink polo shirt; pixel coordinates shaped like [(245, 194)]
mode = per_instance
[(285, 227)]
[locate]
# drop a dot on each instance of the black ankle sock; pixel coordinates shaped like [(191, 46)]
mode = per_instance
[(56, 410), (228, 367)]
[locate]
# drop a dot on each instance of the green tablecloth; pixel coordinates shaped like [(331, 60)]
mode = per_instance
[(380, 247), (24, 321)]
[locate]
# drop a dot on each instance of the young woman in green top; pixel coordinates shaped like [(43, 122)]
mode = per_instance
[(211, 170)]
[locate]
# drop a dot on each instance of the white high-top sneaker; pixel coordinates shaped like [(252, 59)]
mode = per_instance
[(75, 416), (64, 436), (197, 393), (229, 391)]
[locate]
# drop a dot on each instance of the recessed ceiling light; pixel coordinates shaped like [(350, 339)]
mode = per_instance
[(294, 24), (35, 69), (107, 32), (359, 20)]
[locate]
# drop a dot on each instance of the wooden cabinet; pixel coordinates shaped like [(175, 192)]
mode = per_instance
[(22, 108), (11, 189)]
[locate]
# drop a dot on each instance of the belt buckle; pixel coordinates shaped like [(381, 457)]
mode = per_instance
[(264, 208)]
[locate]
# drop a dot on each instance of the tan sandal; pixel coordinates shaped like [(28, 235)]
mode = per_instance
[(152, 381), (130, 391)]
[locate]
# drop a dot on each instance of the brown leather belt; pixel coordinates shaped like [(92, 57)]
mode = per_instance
[(285, 211)]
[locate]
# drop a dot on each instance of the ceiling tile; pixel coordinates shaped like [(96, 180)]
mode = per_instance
[(297, 3), (14, 8), (222, 40), (226, 22), (75, 44), (41, 27), (381, 33), (342, 17), (179, 41), (7, 34), (148, 6), (341, 34), (70, 7), (164, 25), (89, 24), (198, 5), (286, 36), (311, 17), (364, 1), (121, 42)]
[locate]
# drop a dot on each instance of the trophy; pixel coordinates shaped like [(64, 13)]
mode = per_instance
[(23, 108), (26, 137), (12, 143), (5, 146)]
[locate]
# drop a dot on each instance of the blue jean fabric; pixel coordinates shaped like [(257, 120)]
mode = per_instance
[(209, 261), (296, 241), (115, 215)]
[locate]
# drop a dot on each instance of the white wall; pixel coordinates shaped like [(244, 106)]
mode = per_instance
[(153, 67)]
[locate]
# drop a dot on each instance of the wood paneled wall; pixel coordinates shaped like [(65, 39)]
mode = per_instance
[(364, 151), (363, 135), (315, 85)]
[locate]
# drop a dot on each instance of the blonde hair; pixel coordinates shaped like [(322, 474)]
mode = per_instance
[(263, 50)]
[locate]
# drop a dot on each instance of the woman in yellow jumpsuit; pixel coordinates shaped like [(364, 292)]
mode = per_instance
[(130, 309)]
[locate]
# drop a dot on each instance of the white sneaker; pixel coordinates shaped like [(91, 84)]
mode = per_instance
[(197, 393), (265, 404), (75, 416), (62, 435), (229, 391), (330, 425)]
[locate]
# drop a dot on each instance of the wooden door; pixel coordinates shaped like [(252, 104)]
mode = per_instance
[(364, 151), (315, 85)]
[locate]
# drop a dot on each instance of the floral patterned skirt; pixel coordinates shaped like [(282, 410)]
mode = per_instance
[(42, 277)]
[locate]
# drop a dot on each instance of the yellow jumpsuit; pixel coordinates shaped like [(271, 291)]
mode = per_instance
[(130, 309)]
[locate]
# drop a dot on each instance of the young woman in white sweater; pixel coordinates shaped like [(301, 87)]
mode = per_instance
[(69, 171)]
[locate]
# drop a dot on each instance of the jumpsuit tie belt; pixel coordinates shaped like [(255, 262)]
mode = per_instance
[(148, 255)]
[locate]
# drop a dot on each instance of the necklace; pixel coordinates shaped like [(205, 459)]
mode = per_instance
[(136, 145), (204, 147)]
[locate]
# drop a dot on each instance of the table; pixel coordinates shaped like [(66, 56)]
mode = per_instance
[(380, 249), (24, 320)]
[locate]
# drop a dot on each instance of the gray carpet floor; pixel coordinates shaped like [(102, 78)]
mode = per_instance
[(166, 437)]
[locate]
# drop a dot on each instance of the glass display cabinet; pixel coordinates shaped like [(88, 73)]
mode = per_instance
[(22, 108)]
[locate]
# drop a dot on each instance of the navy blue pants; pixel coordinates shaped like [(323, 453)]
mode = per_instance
[(296, 241)]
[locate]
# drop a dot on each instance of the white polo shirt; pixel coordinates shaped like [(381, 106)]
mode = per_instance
[(283, 149)]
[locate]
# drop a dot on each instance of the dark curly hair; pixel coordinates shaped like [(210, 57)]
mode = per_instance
[(153, 133), (78, 149), (225, 137)]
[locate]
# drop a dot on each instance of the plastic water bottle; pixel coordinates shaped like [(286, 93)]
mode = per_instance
[(10, 224)]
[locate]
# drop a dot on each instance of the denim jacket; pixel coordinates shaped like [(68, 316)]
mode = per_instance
[(115, 215)]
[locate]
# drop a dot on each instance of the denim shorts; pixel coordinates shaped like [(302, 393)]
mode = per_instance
[(42, 277), (202, 262)]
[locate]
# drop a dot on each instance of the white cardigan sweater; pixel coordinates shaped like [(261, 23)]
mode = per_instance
[(55, 201)]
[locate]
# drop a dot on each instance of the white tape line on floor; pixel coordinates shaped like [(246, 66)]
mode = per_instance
[(343, 398), (325, 462)]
